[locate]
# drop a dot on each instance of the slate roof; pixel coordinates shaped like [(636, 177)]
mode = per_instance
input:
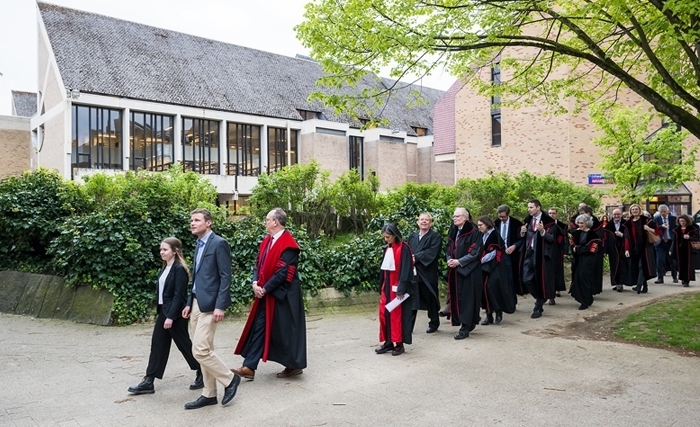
[(24, 103), (108, 56)]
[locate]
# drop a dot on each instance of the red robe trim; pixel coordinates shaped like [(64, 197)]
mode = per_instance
[(270, 265)]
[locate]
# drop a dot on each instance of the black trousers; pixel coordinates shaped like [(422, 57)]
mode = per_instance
[(429, 300), (661, 254), (160, 346), (253, 349)]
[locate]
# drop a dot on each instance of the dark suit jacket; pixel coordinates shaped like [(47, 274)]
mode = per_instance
[(671, 225), (213, 276), (514, 237), (427, 253), (174, 291)]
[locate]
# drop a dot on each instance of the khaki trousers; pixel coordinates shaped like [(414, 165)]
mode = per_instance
[(213, 368)]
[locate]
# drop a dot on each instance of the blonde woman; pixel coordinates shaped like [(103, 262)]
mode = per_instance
[(171, 291)]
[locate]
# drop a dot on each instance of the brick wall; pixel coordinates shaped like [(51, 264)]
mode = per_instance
[(15, 145)]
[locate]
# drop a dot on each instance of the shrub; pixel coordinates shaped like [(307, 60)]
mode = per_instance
[(32, 208)]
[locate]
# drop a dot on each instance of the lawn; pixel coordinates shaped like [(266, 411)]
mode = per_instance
[(674, 323)]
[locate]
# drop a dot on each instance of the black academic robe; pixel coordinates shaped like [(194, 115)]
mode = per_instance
[(681, 250), (560, 284), (641, 250), (619, 263), (587, 272), (548, 260), (285, 321), (464, 282), (514, 239), (497, 292), (426, 252)]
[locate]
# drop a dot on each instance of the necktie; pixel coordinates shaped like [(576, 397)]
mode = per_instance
[(265, 251), (666, 229), (534, 233), (504, 234)]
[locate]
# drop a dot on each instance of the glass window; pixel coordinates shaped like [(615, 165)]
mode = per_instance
[(495, 129), (152, 145), (278, 156), (496, 80), (357, 153), (96, 138), (200, 145), (243, 150)]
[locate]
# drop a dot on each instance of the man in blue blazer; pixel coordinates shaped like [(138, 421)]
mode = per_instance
[(210, 297), (667, 223)]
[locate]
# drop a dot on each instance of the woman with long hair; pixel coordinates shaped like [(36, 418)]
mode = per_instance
[(171, 292), (397, 280), (685, 233), (642, 256)]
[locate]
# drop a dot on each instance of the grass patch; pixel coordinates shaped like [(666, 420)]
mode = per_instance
[(673, 323)]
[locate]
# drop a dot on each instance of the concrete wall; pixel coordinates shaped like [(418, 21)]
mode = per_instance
[(15, 145)]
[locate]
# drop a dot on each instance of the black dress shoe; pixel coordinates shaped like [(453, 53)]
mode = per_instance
[(472, 326), (386, 347), (198, 381), (144, 387), (230, 390), (675, 280), (487, 321), (658, 282), (499, 318), (398, 350), (637, 289), (686, 284), (536, 314), (462, 335), (201, 402), (582, 307), (430, 330), (645, 288)]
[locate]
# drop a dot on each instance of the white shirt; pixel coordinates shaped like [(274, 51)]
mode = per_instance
[(161, 283)]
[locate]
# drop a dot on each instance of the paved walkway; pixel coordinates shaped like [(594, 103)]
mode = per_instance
[(58, 373)]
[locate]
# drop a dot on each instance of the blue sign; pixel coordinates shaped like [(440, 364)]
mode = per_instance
[(597, 178)]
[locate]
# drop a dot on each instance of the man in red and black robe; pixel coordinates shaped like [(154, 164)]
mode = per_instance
[(276, 326)]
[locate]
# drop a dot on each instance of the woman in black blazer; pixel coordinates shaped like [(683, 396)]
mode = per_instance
[(171, 291)]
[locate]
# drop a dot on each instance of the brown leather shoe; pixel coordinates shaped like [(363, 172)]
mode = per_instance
[(244, 372), (289, 373)]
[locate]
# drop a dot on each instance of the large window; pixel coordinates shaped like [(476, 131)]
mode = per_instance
[(151, 141), (243, 150), (200, 145), (357, 153), (96, 138), (496, 107), (277, 148)]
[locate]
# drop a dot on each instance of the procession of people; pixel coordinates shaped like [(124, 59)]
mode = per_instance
[(491, 263)]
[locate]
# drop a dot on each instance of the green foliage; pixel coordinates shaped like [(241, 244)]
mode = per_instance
[(641, 166), (549, 52), (32, 208), (303, 191), (116, 246), (354, 199), (672, 323)]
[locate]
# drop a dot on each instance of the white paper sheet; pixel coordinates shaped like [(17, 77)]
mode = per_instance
[(396, 302)]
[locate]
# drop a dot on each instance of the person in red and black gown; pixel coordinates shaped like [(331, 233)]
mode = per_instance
[(276, 327), (587, 270), (496, 295), (464, 278), (642, 257), (397, 280), (684, 233), (619, 265)]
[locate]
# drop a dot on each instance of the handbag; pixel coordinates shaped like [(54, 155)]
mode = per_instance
[(652, 237)]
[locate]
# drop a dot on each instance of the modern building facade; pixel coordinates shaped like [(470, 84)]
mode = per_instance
[(116, 95)]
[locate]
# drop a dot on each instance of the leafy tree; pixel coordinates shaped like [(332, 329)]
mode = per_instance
[(302, 190), (355, 199), (579, 48), (640, 164)]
